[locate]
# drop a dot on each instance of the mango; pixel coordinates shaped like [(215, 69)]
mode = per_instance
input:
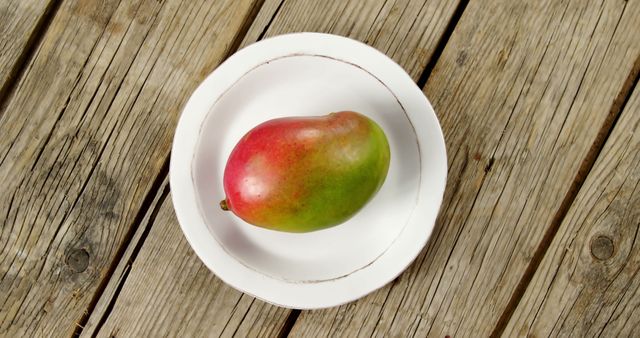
[(301, 174)]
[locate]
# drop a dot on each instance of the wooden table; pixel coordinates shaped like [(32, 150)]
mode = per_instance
[(537, 236)]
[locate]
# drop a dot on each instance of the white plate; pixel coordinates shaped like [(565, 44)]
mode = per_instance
[(308, 74)]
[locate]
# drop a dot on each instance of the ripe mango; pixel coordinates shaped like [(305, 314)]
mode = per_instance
[(301, 174)]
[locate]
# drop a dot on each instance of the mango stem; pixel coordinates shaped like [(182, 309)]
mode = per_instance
[(223, 205)]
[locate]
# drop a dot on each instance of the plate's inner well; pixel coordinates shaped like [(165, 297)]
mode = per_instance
[(307, 85)]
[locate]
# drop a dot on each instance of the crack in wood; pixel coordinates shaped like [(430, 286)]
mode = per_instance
[(27, 53)]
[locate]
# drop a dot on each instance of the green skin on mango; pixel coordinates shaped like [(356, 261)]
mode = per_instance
[(301, 174)]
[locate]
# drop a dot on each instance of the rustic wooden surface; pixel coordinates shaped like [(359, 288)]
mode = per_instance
[(21, 22), (526, 94), (83, 139), (588, 283)]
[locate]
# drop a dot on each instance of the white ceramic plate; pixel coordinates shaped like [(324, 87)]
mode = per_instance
[(308, 74)]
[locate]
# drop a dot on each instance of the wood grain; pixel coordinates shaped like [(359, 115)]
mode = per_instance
[(169, 292), (83, 138), (114, 281), (522, 90), (588, 283), (21, 22), (408, 31), (222, 308)]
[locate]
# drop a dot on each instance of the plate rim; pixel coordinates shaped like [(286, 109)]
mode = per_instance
[(184, 191)]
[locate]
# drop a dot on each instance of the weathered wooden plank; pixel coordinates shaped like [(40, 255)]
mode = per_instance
[(250, 317), (21, 23), (587, 284), (83, 138), (522, 91)]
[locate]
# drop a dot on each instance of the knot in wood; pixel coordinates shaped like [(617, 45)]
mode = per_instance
[(78, 260), (602, 247)]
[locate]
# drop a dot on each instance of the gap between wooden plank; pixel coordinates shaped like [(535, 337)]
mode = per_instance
[(288, 325), (617, 107), (155, 208), (33, 42), (264, 31), (453, 23), (150, 203)]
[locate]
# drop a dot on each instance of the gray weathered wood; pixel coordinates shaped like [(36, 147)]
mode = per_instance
[(216, 301), (522, 90), (83, 138), (19, 21), (588, 283)]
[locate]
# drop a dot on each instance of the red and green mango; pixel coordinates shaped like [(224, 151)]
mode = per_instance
[(301, 174)]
